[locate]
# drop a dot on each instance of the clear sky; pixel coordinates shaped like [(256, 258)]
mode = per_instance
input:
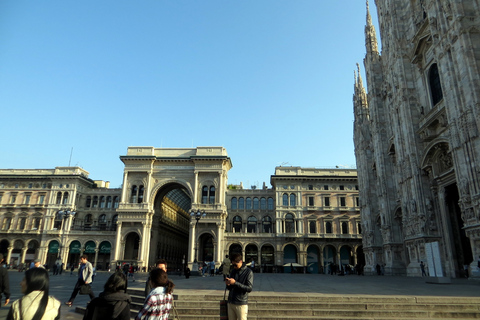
[(269, 80)]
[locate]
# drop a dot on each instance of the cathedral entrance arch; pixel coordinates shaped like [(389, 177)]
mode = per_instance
[(170, 225), (206, 250)]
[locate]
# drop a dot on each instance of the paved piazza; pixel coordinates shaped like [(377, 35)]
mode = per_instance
[(299, 284)]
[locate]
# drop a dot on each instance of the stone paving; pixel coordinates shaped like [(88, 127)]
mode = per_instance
[(282, 284)]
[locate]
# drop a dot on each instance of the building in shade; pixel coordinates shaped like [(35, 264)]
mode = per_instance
[(307, 222), (417, 140)]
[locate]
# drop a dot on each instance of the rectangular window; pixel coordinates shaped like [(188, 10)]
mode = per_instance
[(342, 201), (357, 202), (325, 187), (30, 185), (27, 198), (312, 226), (342, 187), (41, 199), (13, 198), (356, 187), (326, 201), (310, 187), (311, 201), (1, 196)]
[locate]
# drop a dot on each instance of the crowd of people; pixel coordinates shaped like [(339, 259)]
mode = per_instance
[(114, 302)]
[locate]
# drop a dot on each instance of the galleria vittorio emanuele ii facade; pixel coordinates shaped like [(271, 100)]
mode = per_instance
[(309, 218), (417, 138)]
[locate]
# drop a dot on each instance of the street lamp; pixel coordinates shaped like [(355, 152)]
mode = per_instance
[(199, 214)]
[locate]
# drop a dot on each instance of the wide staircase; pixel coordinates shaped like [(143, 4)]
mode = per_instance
[(280, 307)]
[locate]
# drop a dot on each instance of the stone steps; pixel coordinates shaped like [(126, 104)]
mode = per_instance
[(302, 307)]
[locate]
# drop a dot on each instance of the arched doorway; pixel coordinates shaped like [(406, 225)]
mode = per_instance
[(103, 262), (74, 254), (206, 249), (16, 255), (289, 258), (346, 258), (90, 247), (4, 244), (268, 258), (132, 244), (360, 260), (329, 258), (235, 248), (313, 255), (171, 226), (251, 253), (52, 254), (32, 251)]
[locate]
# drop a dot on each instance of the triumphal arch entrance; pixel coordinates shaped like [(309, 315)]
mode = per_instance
[(161, 187)]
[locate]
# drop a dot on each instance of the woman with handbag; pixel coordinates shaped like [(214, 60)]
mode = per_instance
[(36, 304), (85, 273), (159, 302), (113, 303)]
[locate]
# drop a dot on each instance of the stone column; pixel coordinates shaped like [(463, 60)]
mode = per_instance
[(118, 242), (9, 254), (24, 252), (96, 258)]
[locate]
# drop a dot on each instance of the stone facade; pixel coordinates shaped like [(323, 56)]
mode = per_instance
[(416, 136), (309, 219)]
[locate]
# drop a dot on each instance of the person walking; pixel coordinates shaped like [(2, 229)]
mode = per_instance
[(4, 281), (422, 267), (226, 266), (212, 268), (113, 303), (239, 284), (85, 273), (36, 304), (159, 302)]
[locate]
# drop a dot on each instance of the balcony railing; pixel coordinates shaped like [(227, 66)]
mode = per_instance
[(94, 228)]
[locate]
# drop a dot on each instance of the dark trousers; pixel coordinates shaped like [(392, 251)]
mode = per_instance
[(79, 283)]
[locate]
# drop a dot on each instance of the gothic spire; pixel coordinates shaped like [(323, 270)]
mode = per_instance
[(370, 34)]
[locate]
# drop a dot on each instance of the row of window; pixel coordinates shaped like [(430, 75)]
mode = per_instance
[(30, 186), (103, 202), (26, 198), (249, 204), (326, 201), (325, 187), (21, 223)]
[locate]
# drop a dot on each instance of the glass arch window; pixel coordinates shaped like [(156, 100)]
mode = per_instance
[(59, 198), (95, 202), (267, 224), (88, 202), (285, 199), (234, 204), (293, 200), (102, 219), (109, 202), (328, 227), (133, 196), (251, 224), (270, 203), (140, 194), (263, 204), (255, 204), (116, 201), (249, 203), (289, 223), (88, 219), (237, 224), (65, 197), (241, 203), (102, 202), (211, 196), (344, 227)]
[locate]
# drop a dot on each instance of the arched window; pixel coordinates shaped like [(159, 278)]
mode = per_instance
[(133, 195), (234, 204), (140, 194), (36, 223), (267, 224), (95, 202), (204, 194), (270, 203), (289, 223), (255, 203), (249, 204), (435, 85), (285, 199), (88, 219), (263, 204), (59, 198), (328, 227), (102, 202), (241, 203), (109, 202), (102, 219), (211, 196), (114, 222), (312, 226), (88, 203), (116, 201), (344, 227), (65, 197), (293, 200), (237, 224), (251, 224)]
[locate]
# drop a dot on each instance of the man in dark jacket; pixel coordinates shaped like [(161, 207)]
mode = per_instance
[(240, 283), (4, 282)]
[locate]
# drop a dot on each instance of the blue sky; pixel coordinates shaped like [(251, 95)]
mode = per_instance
[(269, 80)]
